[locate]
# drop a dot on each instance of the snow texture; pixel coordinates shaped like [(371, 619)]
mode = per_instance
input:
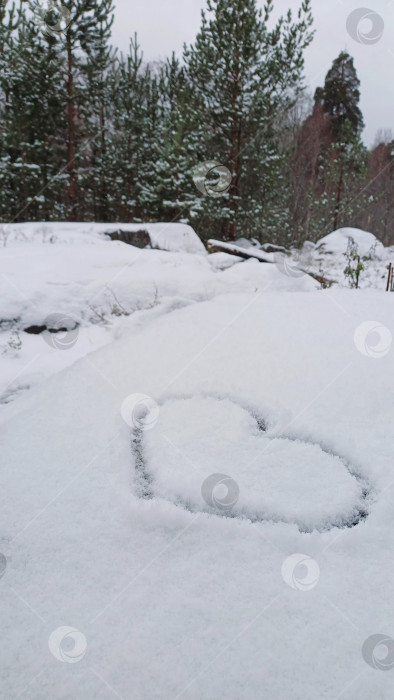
[(337, 241), (165, 236), (124, 571)]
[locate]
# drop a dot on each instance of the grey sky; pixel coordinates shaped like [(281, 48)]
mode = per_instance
[(163, 27)]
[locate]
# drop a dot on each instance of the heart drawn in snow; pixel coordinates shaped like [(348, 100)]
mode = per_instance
[(214, 455)]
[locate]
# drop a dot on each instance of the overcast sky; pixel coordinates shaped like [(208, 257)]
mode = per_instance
[(163, 27)]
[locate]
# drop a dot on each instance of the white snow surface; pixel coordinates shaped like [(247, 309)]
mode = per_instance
[(337, 241), (249, 250), (94, 283), (174, 237), (108, 530), (278, 479)]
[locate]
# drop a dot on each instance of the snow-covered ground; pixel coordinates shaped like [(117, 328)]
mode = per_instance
[(197, 476), (73, 276), (327, 257)]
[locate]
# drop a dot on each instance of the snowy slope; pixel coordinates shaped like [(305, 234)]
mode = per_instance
[(174, 237), (234, 542), (91, 284), (178, 603)]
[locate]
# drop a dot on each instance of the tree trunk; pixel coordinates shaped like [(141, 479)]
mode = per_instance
[(72, 189), (229, 228), (103, 193), (339, 197)]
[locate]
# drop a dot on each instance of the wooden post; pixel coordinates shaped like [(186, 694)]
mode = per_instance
[(389, 287)]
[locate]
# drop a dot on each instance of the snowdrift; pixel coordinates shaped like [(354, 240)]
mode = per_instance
[(172, 237), (337, 242), (252, 517)]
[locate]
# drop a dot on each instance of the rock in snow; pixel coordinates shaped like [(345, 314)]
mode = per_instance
[(173, 237), (337, 241)]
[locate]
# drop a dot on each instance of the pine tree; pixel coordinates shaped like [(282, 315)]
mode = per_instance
[(133, 146), (173, 190), (242, 75), (96, 112), (343, 166), (10, 19), (32, 146), (341, 97), (77, 26)]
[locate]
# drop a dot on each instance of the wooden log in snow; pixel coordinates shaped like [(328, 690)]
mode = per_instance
[(248, 253), (245, 253)]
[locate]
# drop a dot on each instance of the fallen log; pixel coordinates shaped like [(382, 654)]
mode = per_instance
[(220, 247), (246, 254)]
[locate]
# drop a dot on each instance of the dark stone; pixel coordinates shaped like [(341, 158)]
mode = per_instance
[(139, 239), (35, 330), (271, 248)]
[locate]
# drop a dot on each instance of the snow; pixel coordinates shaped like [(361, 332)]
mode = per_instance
[(337, 241), (127, 570), (262, 257), (327, 258), (93, 283), (174, 237), (278, 479)]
